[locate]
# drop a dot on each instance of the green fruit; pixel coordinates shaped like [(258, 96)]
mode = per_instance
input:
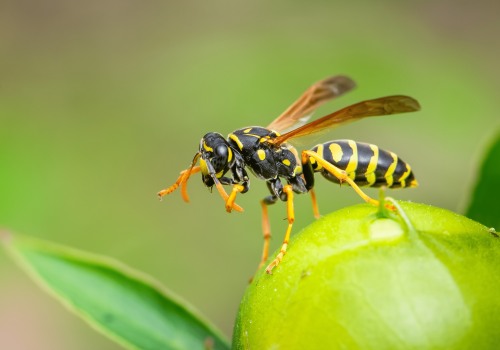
[(362, 279)]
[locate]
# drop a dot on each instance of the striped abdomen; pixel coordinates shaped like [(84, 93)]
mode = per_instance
[(365, 163)]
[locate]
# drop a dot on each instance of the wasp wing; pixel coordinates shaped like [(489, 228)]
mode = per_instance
[(369, 108), (320, 92)]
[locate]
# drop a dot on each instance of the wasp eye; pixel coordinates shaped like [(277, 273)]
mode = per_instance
[(221, 150)]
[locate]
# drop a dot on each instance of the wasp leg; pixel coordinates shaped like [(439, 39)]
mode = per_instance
[(239, 175), (276, 188), (341, 175), (308, 173), (314, 204), (181, 181), (184, 193), (237, 188), (226, 197), (220, 188), (266, 228), (288, 189)]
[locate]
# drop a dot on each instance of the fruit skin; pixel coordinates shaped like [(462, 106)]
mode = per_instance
[(356, 280)]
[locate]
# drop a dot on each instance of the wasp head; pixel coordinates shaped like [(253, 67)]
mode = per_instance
[(216, 157)]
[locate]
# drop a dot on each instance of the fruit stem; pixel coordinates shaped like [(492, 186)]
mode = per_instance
[(409, 226)]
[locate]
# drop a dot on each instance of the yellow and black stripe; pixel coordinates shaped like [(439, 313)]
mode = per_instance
[(364, 163), (248, 136)]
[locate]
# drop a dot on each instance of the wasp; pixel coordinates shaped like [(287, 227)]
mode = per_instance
[(268, 154)]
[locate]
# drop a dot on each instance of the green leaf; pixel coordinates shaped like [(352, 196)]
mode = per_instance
[(355, 280), (484, 206), (127, 306)]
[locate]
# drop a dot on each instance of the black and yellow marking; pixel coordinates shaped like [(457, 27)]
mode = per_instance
[(246, 136), (207, 148), (364, 163), (262, 154), (236, 140)]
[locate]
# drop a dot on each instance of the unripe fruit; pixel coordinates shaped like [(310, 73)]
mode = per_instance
[(356, 280)]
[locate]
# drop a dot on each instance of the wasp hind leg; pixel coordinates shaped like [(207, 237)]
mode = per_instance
[(339, 174)]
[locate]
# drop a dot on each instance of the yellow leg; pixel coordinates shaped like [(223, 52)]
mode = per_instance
[(181, 181), (230, 205), (291, 218), (184, 193), (342, 176), (314, 203), (266, 231)]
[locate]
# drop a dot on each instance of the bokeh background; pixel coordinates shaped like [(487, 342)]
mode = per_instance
[(102, 103)]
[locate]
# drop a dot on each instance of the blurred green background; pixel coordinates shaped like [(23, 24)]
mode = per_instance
[(102, 103)]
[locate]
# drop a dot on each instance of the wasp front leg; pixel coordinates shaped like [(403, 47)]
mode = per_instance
[(228, 199), (240, 182), (182, 180), (210, 179), (237, 188)]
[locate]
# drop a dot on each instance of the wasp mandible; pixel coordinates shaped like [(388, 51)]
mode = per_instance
[(270, 156)]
